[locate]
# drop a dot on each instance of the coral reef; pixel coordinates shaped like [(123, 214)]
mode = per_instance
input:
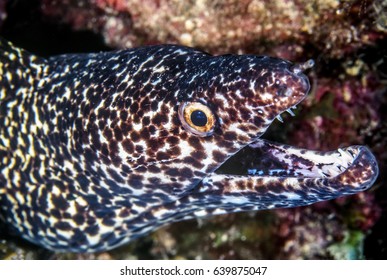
[(332, 27), (348, 105)]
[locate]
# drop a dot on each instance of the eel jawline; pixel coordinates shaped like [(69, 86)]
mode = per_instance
[(288, 176), (273, 159)]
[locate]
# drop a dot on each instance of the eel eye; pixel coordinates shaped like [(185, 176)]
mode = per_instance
[(197, 118)]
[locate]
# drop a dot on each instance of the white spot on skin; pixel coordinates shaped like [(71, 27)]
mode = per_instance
[(219, 211), (200, 213), (291, 196), (235, 200)]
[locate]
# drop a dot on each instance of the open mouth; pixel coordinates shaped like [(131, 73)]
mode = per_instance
[(353, 167), (268, 159), (286, 176), (266, 175)]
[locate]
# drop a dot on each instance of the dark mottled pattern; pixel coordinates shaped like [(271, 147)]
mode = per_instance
[(94, 152)]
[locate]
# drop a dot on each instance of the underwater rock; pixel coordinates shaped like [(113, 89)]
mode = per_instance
[(334, 28)]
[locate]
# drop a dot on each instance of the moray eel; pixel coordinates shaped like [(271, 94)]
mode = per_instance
[(99, 149)]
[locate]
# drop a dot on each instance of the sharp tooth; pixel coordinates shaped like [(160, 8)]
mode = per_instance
[(326, 174), (294, 107), (321, 173), (251, 171), (339, 153), (280, 119), (290, 112), (351, 153), (341, 168)]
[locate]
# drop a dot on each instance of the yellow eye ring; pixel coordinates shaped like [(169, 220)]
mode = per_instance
[(197, 118)]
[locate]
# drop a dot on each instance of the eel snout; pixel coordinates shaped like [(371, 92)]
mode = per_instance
[(290, 87)]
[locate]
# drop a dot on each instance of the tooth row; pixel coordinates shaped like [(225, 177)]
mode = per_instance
[(289, 111), (343, 161)]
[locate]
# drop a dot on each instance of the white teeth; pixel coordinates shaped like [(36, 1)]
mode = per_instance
[(254, 172), (290, 112), (326, 174), (341, 168), (294, 107), (344, 157), (251, 171), (321, 173)]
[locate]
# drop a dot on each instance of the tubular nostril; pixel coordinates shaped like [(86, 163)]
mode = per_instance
[(299, 68)]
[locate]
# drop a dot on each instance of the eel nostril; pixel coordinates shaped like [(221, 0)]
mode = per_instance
[(299, 68)]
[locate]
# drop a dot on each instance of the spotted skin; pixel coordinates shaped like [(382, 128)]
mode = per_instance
[(94, 152)]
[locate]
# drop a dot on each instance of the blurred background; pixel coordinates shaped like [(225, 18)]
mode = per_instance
[(347, 105)]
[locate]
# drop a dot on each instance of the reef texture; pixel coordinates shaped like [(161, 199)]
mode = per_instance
[(348, 105), (332, 27)]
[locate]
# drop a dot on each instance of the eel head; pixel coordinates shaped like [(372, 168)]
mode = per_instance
[(246, 172), (202, 152)]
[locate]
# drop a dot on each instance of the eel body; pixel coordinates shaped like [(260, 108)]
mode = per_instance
[(99, 149)]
